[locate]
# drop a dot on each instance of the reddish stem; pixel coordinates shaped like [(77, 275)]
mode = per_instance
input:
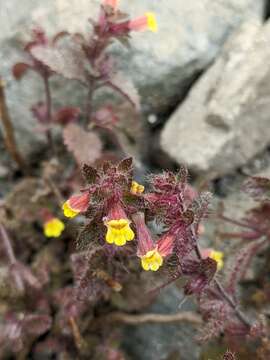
[(11, 256), (48, 98), (226, 296)]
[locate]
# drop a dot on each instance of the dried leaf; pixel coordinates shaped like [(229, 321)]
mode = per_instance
[(85, 146)]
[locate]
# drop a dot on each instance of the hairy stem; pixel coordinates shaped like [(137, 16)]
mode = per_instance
[(9, 138), (226, 296), (11, 256)]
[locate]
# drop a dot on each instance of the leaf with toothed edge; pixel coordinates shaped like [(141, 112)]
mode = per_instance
[(126, 88), (89, 173), (85, 146), (125, 165), (67, 60)]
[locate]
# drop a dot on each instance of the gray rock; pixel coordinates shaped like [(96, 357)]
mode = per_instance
[(224, 122), (160, 341), (162, 65)]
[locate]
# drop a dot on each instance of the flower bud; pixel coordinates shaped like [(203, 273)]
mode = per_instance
[(165, 244), (111, 3), (214, 255), (76, 204), (147, 21)]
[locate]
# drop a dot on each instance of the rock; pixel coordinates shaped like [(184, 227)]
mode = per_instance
[(224, 121), (162, 64), (160, 341)]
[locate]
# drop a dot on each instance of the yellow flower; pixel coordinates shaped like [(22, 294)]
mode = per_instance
[(136, 188), (152, 260), (151, 21), (119, 232), (68, 211), (218, 257), (53, 227)]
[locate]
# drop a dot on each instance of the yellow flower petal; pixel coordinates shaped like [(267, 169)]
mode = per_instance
[(136, 188), (218, 257), (145, 264), (68, 211), (151, 21), (152, 260), (119, 232), (53, 228)]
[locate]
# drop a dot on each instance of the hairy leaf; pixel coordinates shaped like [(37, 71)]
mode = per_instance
[(200, 208), (90, 174), (258, 188), (126, 88), (85, 146), (229, 355), (241, 264), (125, 165), (36, 324), (67, 60)]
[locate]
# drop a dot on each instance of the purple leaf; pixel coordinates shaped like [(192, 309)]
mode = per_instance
[(126, 88), (40, 112), (258, 188), (36, 325), (85, 146), (19, 70), (67, 60), (66, 115)]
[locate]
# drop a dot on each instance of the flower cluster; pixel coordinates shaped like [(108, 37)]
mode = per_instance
[(119, 206), (119, 202)]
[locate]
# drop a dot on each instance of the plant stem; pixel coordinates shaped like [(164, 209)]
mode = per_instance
[(48, 98), (79, 342), (232, 304), (134, 319), (55, 190), (9, 139), (89, 108), (11, 256), (237, 222)]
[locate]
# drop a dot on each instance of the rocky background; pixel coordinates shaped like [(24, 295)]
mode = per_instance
[(204, 81)]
